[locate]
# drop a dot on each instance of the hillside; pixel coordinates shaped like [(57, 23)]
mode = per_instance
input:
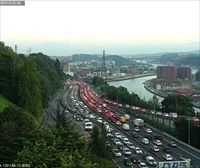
[(4, 103), (192, 59), (119, 60)]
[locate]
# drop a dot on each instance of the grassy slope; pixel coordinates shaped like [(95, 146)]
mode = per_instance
[(3, 103)]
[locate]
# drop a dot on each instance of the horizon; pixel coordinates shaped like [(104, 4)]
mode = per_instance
[(121, 28)]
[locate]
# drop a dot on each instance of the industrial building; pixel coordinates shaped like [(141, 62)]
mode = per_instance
[(174, 73)]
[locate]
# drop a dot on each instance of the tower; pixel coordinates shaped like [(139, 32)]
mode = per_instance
[(103, 68), (15, 49)]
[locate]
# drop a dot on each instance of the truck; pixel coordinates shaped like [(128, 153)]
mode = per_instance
[(127, 116), (122, 119), (138, 122)]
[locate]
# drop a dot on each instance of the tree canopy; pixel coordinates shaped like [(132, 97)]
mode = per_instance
[(179, 104)]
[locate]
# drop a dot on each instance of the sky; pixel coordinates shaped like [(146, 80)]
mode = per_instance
[(66, 27)]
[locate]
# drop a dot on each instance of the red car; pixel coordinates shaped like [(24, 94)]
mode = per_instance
[(167, 150)]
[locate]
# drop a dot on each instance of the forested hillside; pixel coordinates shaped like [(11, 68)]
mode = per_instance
[(28, 81), (26, 85)]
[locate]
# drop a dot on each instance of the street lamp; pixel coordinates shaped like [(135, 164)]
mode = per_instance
[(188, 127)]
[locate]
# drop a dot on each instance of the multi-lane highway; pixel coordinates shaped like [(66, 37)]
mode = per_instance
[(80, 109)]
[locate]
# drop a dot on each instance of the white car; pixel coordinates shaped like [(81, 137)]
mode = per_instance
[(116, 152), (118, 123), (92, 116), (155, 148), (136, 129), (118, 135), (158, 142), (126, 151), (131, 146), (126, 141), (142, 165), (138, 150), (117, 142), (151, 161), (167, 157), (148, 130), (100, 121)]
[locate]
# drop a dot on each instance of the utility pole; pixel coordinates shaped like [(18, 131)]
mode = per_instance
[(188, 128)]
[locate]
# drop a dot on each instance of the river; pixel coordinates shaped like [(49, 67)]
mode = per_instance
[(136, 85)]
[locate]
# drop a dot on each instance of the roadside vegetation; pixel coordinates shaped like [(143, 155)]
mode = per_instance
[(4, 103), (26, 85), (122, 95), (173, 103)]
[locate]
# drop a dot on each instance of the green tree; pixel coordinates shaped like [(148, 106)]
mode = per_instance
[(53, 147), (179, 104), (15, 124), (28, 87)]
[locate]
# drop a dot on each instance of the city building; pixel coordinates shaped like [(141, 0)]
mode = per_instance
[(174, 73), (166, 72), (183, 73)]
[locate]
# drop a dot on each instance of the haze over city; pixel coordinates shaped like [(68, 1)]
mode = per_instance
[(130, 27)]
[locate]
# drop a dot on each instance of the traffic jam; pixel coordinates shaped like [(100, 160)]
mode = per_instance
[(131, 142)]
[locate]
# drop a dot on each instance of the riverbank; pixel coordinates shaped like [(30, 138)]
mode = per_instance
[(131, 77), (154, 91)]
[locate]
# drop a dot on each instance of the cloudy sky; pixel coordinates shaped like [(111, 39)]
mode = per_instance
[(119, 27)]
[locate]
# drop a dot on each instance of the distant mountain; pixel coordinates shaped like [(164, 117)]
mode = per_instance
[(161, 54), (119, 60), (182, 58)]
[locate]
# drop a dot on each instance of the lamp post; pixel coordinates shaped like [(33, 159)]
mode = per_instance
[(188, 127)]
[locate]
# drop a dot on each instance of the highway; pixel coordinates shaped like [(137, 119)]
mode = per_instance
[(176, 151), (78, 106)]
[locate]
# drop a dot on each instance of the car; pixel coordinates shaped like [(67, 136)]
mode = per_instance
[(142, 165), (127, 162), (120, 147), (148, 130), (118, 123), (151, 161), (78, 118), (100, 121), (126, 151), (117, 141), (134, 134), (92, 116), (172, 144), (138, 150), (87, 120), (158, 142), (118, 135), (105, 123), (125, 141), (116, 152), (158, 137), (135, 159), (131, 146), (167, 157), (167, 150), (145, 141), (155, 148), (136, 129), (108, 146), (125, 127), (99, 118)]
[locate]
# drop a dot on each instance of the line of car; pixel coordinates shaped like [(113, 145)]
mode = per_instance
[(155, 147)]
